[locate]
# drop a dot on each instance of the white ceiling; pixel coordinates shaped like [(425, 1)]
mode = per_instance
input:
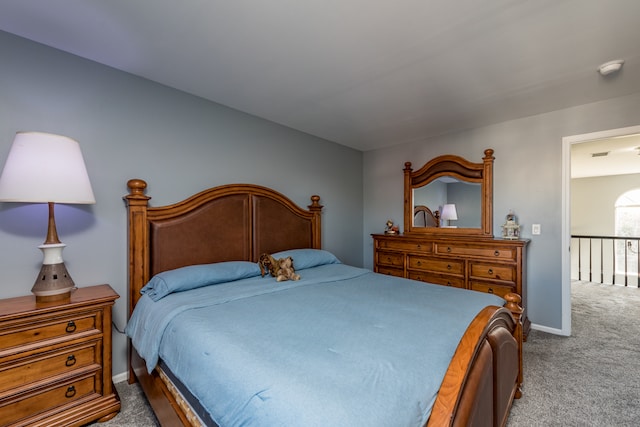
[(363, 73), (610, 156)]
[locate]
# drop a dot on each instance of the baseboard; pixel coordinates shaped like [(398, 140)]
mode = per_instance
[(543, 328), (122, 376)]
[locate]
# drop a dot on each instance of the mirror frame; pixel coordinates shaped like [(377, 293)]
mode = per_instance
[(463, 170)]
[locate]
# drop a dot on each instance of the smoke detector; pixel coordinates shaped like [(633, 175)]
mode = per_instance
[(610, 67)]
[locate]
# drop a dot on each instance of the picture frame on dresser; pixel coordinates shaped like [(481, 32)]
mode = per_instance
[(466, 257), (55, 359)]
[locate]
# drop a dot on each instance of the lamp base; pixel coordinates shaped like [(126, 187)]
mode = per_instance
[(53, 283)]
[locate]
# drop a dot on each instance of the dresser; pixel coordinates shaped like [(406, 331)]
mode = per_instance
[(488, 265), (55, 360)]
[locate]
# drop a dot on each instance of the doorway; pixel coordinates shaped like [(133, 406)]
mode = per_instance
[(567, 143)]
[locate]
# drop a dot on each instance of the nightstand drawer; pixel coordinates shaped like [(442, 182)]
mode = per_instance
[(479, 251), (437, 265), (47, 365), (43, 400), (438, 279), (493, 271), (50, 329), (492, 288), (391, 259)]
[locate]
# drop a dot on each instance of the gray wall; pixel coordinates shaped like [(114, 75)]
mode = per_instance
[(593, 202), (527, 179), (180, 144)]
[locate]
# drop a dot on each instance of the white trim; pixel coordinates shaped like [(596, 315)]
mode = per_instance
[(122, 376), (543, 328), (567, 141)]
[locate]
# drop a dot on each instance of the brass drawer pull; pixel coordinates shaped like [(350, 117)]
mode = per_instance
[(448, 249), (490, 271), (71, 360), (490, 290), (448, 266), (71, 391), (448, 283), (71, 326), (497, 253), (418, 263)]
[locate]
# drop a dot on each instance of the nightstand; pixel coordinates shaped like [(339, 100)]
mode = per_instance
[(55, 360)]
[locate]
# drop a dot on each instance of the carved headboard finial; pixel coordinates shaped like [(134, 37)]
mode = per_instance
[(315, 203)]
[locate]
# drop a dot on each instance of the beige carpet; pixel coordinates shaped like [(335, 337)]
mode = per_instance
[(589, 379)]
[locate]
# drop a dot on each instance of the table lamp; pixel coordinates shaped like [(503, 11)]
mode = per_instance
[(46, 168), (449, 213)]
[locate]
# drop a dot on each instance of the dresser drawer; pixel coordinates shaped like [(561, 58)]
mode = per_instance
[(46, 399), (392, 259), (438, 279), (47, 365), (403, 245), (493, 271), (436, 265), (390, 271), (479, 251), (50, 329), (491, 288)]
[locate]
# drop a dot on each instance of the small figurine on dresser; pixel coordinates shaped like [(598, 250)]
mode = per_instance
[(391, 228), (511, 229)]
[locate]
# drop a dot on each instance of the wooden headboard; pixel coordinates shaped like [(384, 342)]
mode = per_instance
[(235, 222)]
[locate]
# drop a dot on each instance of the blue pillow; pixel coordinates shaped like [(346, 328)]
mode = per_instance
[(197, 276), (307, 258)]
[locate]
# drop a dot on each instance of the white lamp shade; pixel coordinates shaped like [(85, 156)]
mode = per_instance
[(42, 168), (449, 212)]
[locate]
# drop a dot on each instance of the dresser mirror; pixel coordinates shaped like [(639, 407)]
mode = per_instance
[(450, 196)]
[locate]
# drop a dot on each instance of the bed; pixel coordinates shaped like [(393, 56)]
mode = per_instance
[(263, 373), (424, 217)]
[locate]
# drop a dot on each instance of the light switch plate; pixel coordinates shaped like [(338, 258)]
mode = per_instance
[(535, 229)]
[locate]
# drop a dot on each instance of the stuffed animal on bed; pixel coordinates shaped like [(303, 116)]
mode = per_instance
[(286, 271), (281, 269)]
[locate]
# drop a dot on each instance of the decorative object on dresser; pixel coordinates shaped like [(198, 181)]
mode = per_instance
[(55, 360), (47, 168), (391, 228), (463, 257), (511, 229)]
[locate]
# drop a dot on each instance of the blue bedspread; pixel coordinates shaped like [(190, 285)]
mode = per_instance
[(341, 347)]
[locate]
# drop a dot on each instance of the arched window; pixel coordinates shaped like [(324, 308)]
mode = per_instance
[(628, 214)]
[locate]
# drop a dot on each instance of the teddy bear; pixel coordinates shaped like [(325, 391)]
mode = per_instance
[(281, 269), (286, 271)]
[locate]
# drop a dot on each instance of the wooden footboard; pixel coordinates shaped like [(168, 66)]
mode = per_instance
[(485, 374)]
